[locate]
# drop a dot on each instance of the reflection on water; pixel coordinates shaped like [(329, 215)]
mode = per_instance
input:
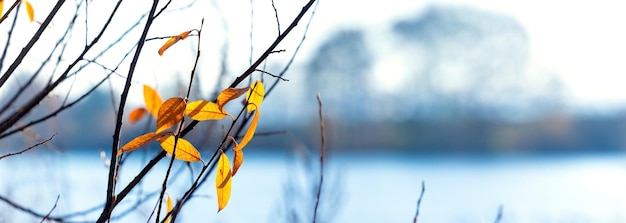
[(374, 188)]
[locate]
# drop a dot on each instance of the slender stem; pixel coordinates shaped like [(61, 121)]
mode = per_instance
[(419, 201), (110, 204), (31, 43), (322, 157)]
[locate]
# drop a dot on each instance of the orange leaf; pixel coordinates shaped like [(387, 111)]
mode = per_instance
[(136, 114), (172, 40), (152, 99), (170, 113), (255, 95), (168, 202), (223, 181), (229, 94), (238, 160), (141, 141), (202, 110), (1, 5), (184, 149), (29, 10), (251, 129)]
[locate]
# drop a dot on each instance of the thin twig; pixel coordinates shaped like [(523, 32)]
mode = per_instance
[(268, 73), (10, 34), (6, 14), (295, 53), (419, 201), (29, 148), (110, 198), (31, 43), (27, 210), (499, 215), (269, 50), (322, 157), (276, 15), (50, 212)]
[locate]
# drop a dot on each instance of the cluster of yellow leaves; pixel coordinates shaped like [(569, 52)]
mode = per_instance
[(254, 97), (29, 9), (170, 112)]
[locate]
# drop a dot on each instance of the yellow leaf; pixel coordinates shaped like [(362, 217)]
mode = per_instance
[(251, 129), (238, 160), (202, 110), (1, 5), (184, 149), (229, 94), (29, 10), (136, 114), (255, 95), (223, 181), (152, 99), (141, 141), (168, 202), (170, 113), (172, 40)]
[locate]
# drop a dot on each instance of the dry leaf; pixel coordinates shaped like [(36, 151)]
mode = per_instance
[(29, 10), (141, 141), (136, 114), (251, 129), (168, 202), (255, 95), (229, 94), (184, 149), (153, 100), (170, 113), (172, 40), (202, 110), (1, 6), (238, 160), (223, 181)]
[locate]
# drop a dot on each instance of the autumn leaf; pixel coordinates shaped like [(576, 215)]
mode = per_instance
[(255, 95), (250, 132), (136, 114), (223, 181), (229, 94), (152, 99), (1, 6), (141, 141), (238, 160), (168, 202), (172, 40), (170, 113), (29, 10), (202, 110), (184, 149)]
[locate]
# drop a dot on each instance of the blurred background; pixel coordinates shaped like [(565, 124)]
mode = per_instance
[(496, 105)]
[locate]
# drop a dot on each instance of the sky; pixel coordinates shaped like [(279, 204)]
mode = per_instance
[(581, 41)]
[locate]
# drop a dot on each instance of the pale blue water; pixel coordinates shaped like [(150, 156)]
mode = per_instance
[(374, 188)]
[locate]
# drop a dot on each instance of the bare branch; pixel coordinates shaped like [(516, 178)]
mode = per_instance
[(268, 73), (276, 15), (27, 210), (419, 201), (50, 212), (29, 148), (499, 215), (322, 157), (110, 204)]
